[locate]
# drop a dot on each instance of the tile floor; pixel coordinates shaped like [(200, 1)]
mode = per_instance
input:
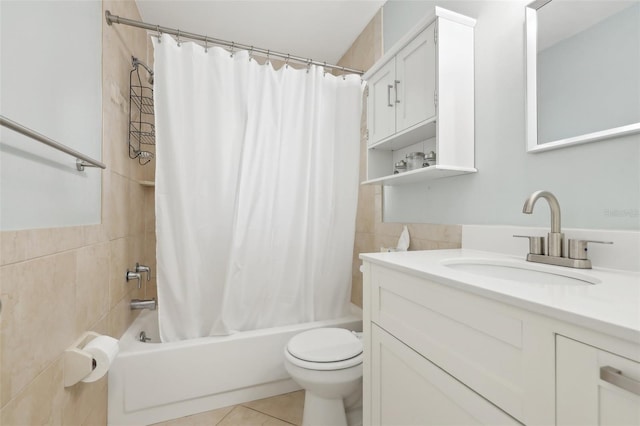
[(281, 410)]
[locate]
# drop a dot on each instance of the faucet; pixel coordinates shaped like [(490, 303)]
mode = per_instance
[(555, 238), (137, 275), (144, 304), (574, 257)]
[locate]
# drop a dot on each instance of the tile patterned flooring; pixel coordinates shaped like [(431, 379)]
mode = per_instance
[(281, 410)]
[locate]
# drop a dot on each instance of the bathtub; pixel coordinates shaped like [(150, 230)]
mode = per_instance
[(152, 382)]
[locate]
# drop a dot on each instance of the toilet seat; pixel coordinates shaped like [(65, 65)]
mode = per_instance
[(325, 349)]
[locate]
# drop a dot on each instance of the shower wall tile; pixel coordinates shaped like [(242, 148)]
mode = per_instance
[(116, 209), (92, 285), (79, 401), (98, 415), (136, 205), (119, 261), (57, 283), (120, 316), (12, 247), (40, 403), (37, 324)]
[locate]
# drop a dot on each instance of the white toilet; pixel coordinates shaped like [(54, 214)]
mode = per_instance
[(327, 363)]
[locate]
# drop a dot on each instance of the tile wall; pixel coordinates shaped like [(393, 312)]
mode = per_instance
[(55, 284), (371, 232)]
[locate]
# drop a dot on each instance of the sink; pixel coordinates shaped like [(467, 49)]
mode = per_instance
[(520, 271)]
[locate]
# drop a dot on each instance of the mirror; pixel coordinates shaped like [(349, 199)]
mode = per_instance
[(583, 71)]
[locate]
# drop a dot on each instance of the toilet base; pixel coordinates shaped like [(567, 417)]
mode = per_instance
[(322, 411)]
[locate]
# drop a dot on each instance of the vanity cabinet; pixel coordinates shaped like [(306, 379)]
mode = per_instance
[(420, 97), (408, 389), (594, 386), (436, 353)]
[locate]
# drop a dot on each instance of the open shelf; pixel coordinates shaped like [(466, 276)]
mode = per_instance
[(422, 131), (420, 175)]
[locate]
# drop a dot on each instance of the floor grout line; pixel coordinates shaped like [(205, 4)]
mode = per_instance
[(225, 416), (268, 415)]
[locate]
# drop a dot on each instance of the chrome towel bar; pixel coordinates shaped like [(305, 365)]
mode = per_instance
[(82, 160)]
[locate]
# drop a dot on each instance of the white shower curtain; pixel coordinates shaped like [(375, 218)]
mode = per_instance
[(256, 191)]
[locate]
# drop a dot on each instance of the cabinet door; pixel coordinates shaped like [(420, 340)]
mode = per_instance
[(416, 80), (407, 389), (584, 397), (381, 118)]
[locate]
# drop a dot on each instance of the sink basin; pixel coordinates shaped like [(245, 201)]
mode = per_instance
[(521, 271)]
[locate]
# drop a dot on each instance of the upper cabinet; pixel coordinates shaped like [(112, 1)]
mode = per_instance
[(401, 93), (421, 99)]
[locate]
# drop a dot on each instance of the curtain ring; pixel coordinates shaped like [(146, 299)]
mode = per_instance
[(324, 69), (286, 61), (250, 53), (178, 38), (206, 44), (159, 34), (232, 46), (343, 76), (268, 54), (308, 66)]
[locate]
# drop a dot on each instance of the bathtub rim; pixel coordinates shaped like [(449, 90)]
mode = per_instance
[(129, 343)]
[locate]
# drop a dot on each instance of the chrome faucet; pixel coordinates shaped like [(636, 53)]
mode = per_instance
[(574, 257), (555, 238)]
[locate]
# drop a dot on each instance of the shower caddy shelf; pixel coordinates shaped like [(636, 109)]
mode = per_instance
[(142, 131)]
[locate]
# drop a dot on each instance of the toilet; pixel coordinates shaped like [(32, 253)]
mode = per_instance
[(327, 364)]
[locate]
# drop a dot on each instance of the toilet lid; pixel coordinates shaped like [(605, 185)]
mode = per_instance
[(325, 345)]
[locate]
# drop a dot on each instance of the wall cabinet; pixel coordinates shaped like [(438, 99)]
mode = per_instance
[(436, 354), (420, 97), (402, 92)]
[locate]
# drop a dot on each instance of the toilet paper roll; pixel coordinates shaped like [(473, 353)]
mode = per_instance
[(103, 349)]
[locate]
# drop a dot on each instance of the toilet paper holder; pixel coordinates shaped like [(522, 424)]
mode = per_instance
[(77, 362)]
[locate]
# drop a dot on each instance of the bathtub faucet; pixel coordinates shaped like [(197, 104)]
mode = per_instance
[(142, 268), (144, 304)]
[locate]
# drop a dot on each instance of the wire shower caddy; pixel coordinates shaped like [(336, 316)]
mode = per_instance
[(142, 131)]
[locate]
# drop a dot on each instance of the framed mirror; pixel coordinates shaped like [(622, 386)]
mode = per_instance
[(582, 71)]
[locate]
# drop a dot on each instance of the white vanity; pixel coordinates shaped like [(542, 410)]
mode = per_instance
[(474, 337)]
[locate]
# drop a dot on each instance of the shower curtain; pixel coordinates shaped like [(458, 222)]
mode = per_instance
[(256, 191)]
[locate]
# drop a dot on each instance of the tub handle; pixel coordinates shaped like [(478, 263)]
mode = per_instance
[(142, 268), (134, 276)]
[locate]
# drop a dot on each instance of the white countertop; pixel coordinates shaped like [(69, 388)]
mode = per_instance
[(611, 306)]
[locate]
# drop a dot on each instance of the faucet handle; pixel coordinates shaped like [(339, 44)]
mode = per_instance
[(134, 276), (578, 248), (536, 244), (142, 268)]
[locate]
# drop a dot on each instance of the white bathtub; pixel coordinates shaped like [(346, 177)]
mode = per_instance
[(152, 382)]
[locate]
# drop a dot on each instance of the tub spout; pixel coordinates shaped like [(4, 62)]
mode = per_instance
[(144, 304)]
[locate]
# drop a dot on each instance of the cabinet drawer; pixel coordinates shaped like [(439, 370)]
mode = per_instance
[(594, 386), (476, 340), (408, 389)]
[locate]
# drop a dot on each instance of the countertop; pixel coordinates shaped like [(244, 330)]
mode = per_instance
[(611, 306)]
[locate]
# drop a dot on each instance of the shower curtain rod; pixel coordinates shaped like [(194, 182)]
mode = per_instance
[(111, 19)]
